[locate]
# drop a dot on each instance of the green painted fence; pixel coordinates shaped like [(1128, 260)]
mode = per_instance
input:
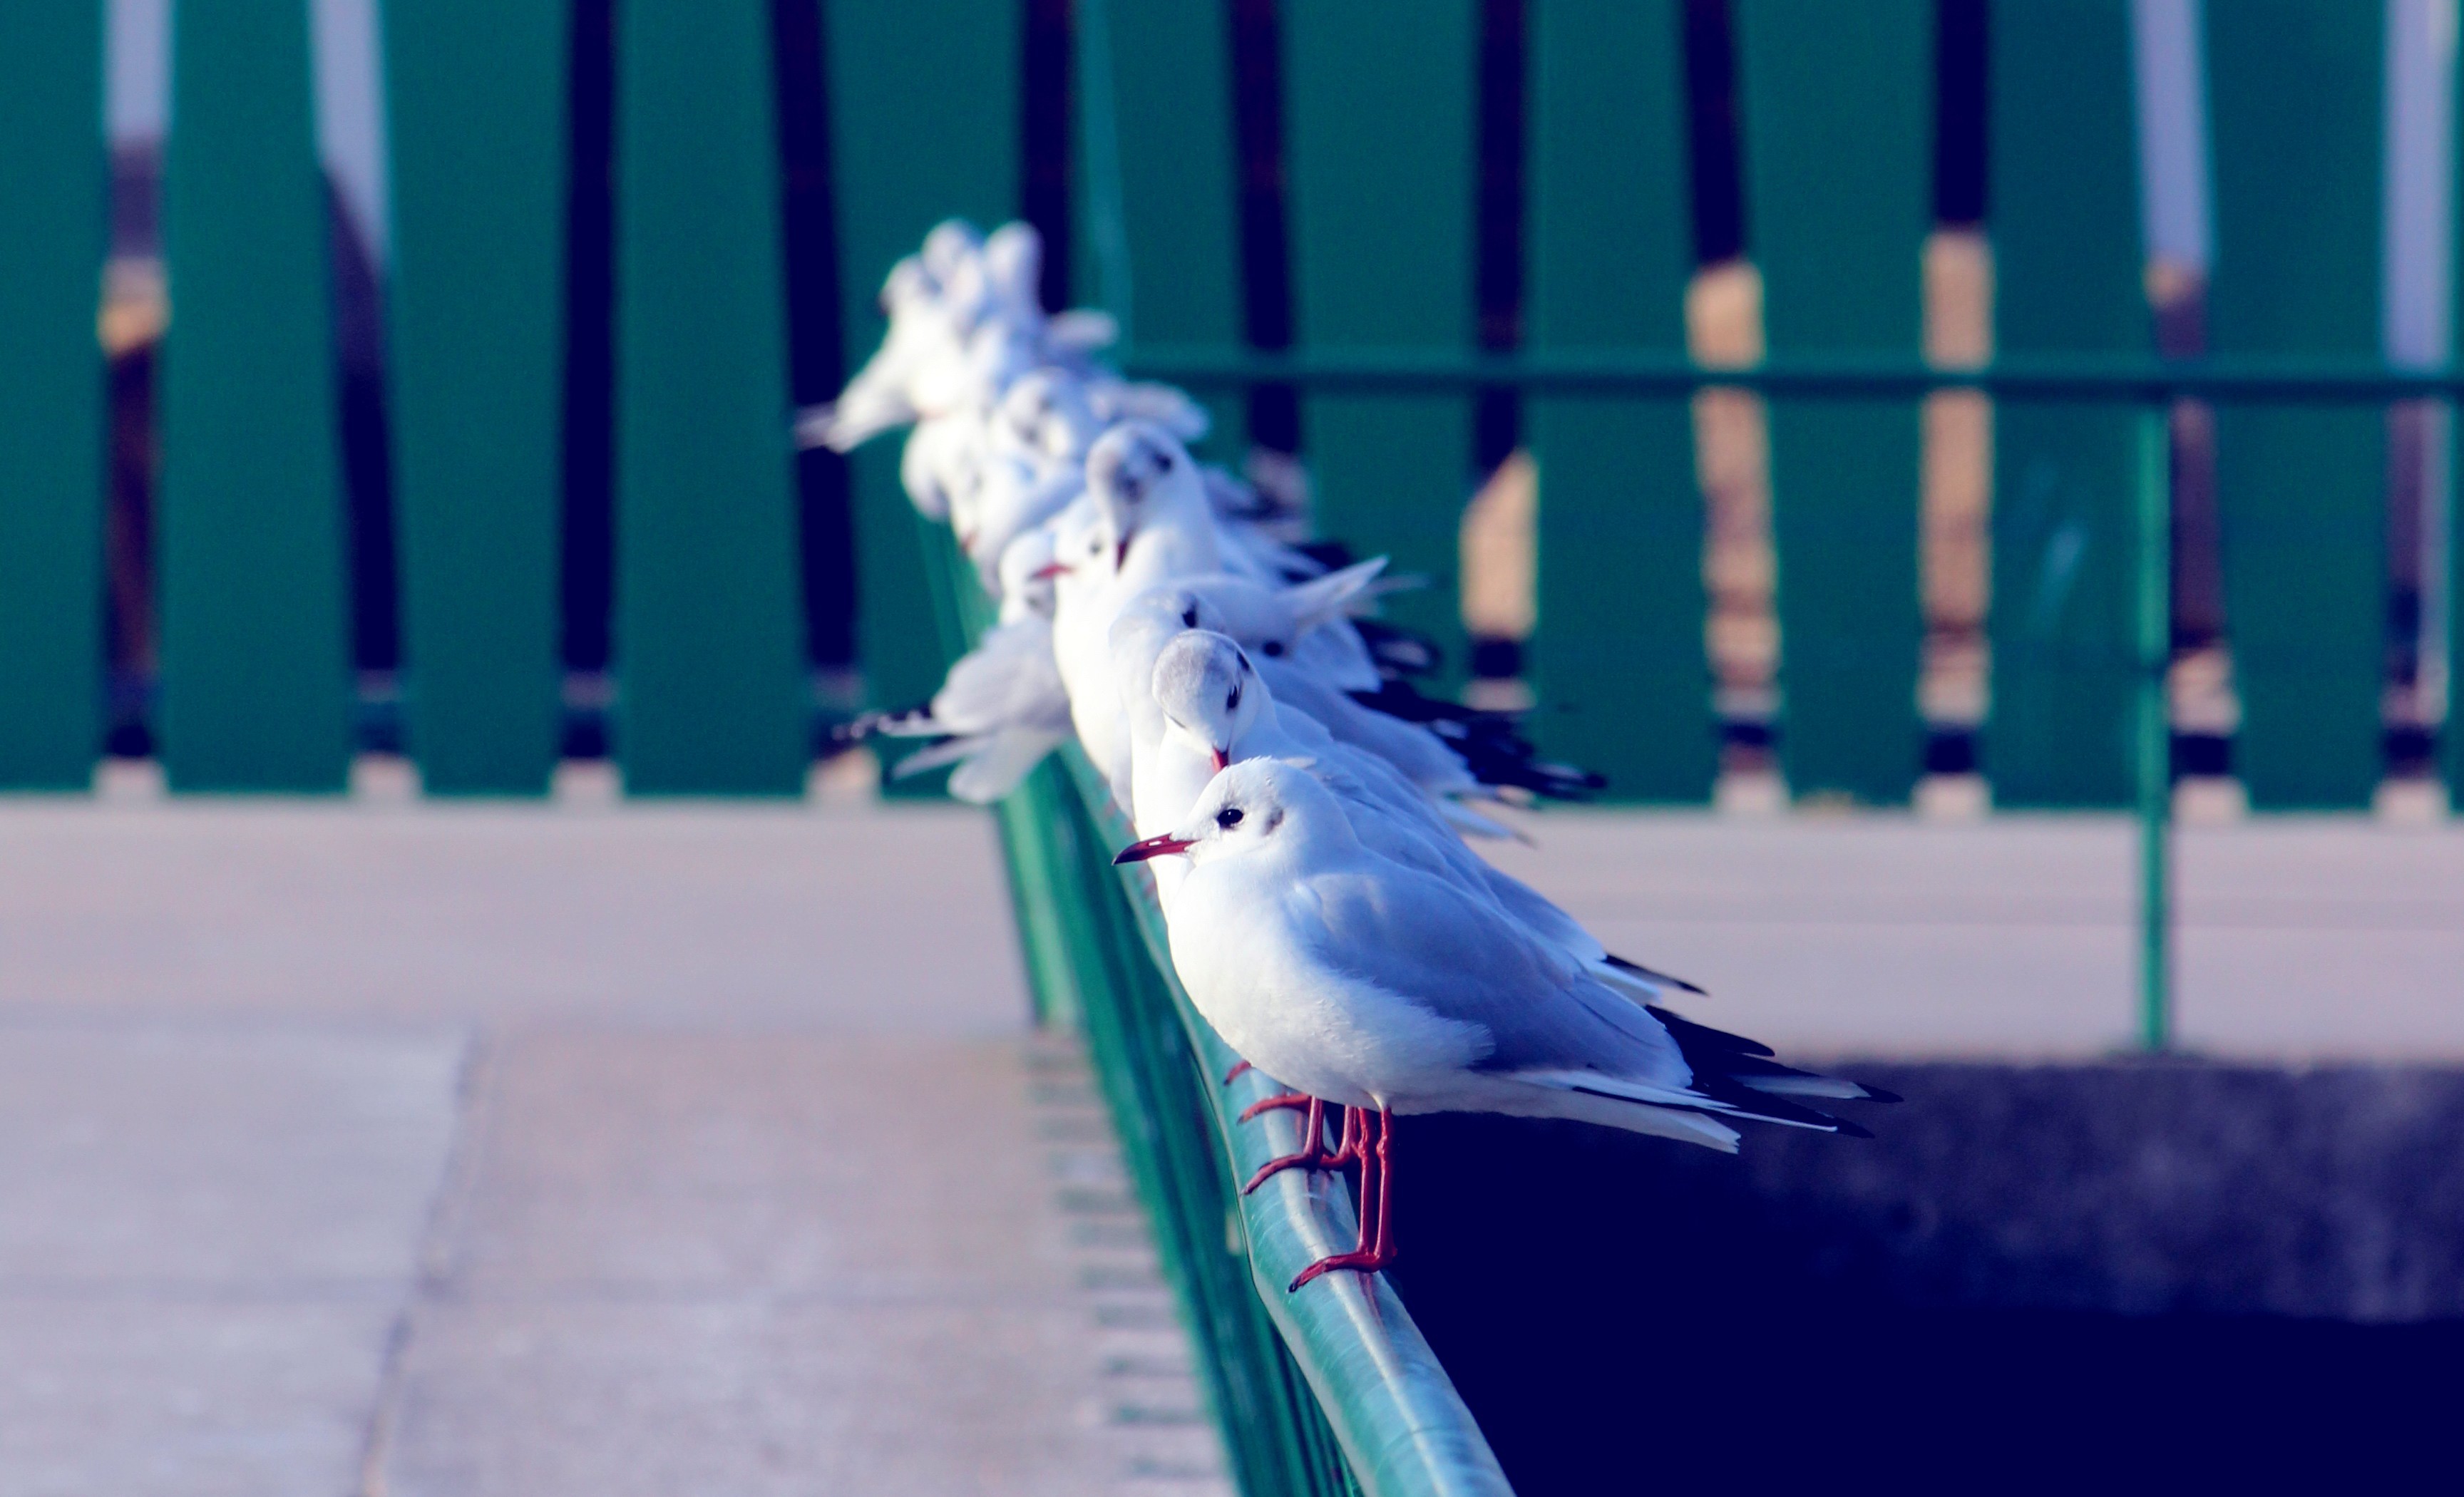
[(478, 94), (1839, 198), (51, 395), (256, 689), (1379, 146), (709, 617), (1379, 121), (2067, 281), (2295, 100), (1620, 675)]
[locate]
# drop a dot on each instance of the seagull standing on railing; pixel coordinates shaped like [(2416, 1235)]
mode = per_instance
[(1001, 707), (1371, 985), (1217, 712), (963, 321)]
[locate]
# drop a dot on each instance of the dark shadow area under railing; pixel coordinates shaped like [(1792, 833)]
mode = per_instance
[(2130, 1275)]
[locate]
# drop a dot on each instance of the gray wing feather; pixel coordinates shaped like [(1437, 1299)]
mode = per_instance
[(1421, 937)]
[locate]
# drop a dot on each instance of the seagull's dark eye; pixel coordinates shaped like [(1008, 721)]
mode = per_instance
[(1229, 818), (1274, 648), (1232, 704), (1163, 462), (1189, 617)]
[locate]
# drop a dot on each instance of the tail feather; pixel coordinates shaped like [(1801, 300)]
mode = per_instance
[(1741, 1073), (1397, 649), (932, 756), (913, 722), (1488, 742), (1004, 761)]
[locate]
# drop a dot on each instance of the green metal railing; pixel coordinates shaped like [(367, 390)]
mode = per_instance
[(1328, 1391)]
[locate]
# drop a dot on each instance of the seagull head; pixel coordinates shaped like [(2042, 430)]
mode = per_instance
[(1013, 259), (1021, 501), (1209, 692), (1044, 415), (1136, 472), (1025, 582), (1255, 805)]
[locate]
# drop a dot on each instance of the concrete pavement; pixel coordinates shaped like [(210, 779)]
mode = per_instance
[(2298, 938), (552, 1150)]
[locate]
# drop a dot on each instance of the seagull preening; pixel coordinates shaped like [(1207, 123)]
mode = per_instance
[(1301, 805)]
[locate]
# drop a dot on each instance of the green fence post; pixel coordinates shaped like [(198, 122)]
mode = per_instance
[(1378, 154), (52, 190), (2294, 92), (1167, 69), (924, 111), (476, 95), (256, 690), (2153, 766), (1623, 680), (2450, 732), (1837, 109), (2068, 279), (709, 626)]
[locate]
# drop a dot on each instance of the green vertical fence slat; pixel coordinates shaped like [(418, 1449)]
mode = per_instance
[(2450, 732), (255, 679), (1837, 113), (2293, 90), (1171, 110), (1621, 677), (924, 106), (709, 623), (1380, 154), (53, 186), (476, 91), (2067, 279)]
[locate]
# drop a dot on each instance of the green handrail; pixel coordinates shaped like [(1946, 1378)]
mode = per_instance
[(2117, 380), (1329, 1391), (1400, 1422)]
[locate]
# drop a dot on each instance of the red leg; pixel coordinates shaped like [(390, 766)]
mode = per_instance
[(1375, 1249), (1310, 1156), (1275, 1103), (1234, 1074), (1347, 1149)]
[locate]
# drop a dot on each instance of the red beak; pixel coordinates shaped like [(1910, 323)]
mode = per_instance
[(1048, 569), (1222, 760), (1160, 846), (1121, 557)]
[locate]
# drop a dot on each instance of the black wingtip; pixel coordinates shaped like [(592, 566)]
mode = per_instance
[(1652, 975), (1875, 1093), (1693, 1038), (1848, 1130)]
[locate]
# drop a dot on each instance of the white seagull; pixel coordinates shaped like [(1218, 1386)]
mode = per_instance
[(1373, 986), (1217, 711), (1001, 707)]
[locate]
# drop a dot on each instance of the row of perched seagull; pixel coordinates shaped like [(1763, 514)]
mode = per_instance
[(1301, 807)]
